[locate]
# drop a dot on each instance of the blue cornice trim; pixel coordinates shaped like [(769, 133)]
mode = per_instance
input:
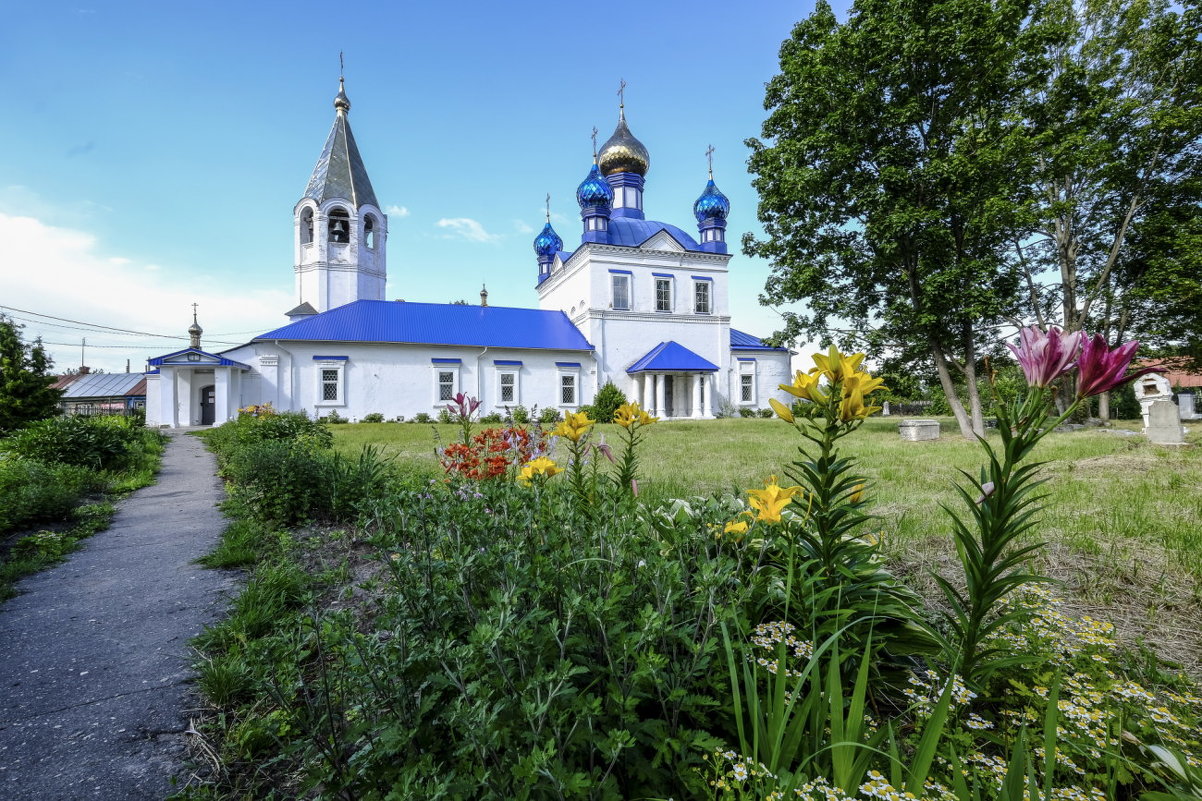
[(626, 272), (702, 278), (446, 361), (746, 358), (567, 364), (506, 363), (331, 358), (663, 275)]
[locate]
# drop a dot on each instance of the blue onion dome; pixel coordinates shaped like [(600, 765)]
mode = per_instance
[(622, 152), (594, 190), (547, 243), (712, 203)]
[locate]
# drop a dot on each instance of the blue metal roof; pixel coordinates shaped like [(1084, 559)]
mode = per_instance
[(672, 356), (172, 358), (436, 324), (631, 233), (742, 341)]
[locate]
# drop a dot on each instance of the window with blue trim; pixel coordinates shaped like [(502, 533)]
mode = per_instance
[(663, 294), (621, 291), (701, 297)]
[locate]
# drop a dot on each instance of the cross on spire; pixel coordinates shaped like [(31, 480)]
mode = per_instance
[(622, 98), (709, 156), (341, 65), (594, 143), (548, 207), (194, 305)]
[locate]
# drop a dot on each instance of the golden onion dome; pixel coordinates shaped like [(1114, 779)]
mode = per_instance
[(622, 152)]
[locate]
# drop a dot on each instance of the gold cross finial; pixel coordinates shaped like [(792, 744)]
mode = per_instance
[(709, 155), (622, 98), (548, 207)]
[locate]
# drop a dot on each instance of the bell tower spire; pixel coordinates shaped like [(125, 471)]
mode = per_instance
[(341, 234)]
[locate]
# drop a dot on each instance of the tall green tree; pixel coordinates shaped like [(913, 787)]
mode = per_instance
[(1114, 133), (889, 179), (25, 380)]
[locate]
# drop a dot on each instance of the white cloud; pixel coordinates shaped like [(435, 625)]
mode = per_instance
[(521, 227), (67, 274), (397, 211), (467, 228)]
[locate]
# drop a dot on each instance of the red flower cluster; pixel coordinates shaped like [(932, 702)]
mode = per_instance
[(491, 452)]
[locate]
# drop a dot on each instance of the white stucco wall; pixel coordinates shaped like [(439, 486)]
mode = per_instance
[(397, 380)]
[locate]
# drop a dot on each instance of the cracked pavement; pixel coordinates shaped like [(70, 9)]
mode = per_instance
[(94, 659)]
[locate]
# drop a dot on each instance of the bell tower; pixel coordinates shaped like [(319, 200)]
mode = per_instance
[(340, 234)]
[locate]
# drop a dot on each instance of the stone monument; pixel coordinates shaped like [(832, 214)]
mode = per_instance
[(1185, 405), (1149, 389), (919, 430), (1164, 424)]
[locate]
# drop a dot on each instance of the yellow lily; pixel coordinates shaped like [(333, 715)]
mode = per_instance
[(805, 387), (574, 426), (542, 466), (629, 413), (771, 500), (835, 365), (782, 411), (852, 406), (863, 382)]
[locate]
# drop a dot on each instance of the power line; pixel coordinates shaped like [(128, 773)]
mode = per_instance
[(95, 326)]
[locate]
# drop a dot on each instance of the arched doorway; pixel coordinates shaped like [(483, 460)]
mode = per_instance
[(208, 405)]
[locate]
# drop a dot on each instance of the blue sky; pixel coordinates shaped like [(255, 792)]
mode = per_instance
[(151, 153)]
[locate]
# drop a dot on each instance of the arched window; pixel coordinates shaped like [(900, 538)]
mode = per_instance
[(340, 226), (306, 228), (369, 232)]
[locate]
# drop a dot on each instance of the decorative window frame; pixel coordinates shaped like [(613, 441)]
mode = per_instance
[(614, 275), (700, 281), (671, 280), (565, 370), (748, 367), (338, 365), (439, 366), (509, 367)]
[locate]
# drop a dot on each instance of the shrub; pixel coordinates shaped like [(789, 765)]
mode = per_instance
[(444, 416), (32, 491), (373, 417), (493, 418), (333, 418), (745, 411), (423, 417), (295, 427), (549, 416), (520, 415), (607, 401), (766, 414), (99, 443)]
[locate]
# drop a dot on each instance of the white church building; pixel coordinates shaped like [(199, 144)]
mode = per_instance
[(637, 302)]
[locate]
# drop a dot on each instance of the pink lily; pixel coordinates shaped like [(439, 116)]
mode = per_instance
[(1045, 356), (1103, 369)]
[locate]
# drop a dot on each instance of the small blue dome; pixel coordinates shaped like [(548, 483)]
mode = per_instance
[(548, 242), (594, 190), (712, 203)]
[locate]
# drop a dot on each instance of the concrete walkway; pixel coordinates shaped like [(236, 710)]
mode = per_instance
[(94, 656)]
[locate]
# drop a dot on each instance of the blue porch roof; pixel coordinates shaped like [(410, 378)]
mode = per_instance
[(436, 324), (209, 359), (672, 357)]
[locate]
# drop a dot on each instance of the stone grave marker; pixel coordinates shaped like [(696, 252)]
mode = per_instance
[(1164, 424), (920, 430), (1149, 389), (1185, 404)]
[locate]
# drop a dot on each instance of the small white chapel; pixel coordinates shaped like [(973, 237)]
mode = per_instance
[(637, 302)]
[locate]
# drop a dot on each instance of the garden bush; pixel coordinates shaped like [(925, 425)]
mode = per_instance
[(607, 401), (98, 443), (373, 417), (34, 492)]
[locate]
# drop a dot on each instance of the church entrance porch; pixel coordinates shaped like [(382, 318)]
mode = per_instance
[(674, 396)]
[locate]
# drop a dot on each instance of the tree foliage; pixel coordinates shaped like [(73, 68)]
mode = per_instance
[(26, 393), (888, 177)]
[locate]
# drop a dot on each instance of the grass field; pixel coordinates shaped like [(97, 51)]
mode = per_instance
[(1124, 517)]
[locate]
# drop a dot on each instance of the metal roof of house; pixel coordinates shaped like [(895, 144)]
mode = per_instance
[(436, 324), (103, 385), (672, 356), (743, 341), (63, 381)]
